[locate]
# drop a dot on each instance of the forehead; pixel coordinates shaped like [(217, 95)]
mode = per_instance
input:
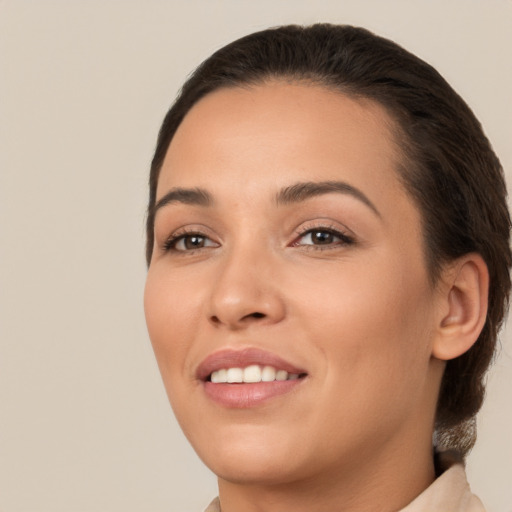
[(277, 133)]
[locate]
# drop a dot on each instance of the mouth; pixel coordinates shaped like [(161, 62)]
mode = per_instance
[(247, 378), (252, 374)]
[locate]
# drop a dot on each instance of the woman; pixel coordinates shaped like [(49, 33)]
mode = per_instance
[(328, 250)]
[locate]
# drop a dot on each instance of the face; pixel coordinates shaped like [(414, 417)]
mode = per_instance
[(289, 257)]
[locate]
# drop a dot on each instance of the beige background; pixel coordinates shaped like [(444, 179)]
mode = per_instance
[(84, 422)]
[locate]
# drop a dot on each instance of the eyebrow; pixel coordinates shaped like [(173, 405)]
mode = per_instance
[(194, 196), (306, 190), (295, 193)]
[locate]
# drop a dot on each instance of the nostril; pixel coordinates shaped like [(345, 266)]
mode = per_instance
[(241, 320)]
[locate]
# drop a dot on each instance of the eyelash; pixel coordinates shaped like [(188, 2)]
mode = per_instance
[(175, 238), (344, 239)]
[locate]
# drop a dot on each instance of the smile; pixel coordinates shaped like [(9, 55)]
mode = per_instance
[(248, 377), (251, 374)]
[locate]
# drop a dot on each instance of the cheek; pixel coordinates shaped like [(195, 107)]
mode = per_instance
[(171, 315), (372, 328), (371, 318)]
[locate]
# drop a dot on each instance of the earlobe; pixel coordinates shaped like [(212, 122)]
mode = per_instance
[(464, 306)]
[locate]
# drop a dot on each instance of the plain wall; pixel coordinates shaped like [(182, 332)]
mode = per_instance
[(84, 420)]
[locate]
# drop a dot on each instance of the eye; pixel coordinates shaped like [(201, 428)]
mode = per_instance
[(323, 237), (189, 242)]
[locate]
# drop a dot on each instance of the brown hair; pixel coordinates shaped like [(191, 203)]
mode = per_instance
[(449, 167)]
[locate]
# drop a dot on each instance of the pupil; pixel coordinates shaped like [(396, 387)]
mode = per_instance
[(194, 242), (322, 237)]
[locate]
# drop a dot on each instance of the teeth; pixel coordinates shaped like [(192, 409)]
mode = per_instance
[(220, 376), (251, 374), (268, 374), (235, 375), (281, 375)]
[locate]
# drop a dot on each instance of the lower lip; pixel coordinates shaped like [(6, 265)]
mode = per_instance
[(242, 396)]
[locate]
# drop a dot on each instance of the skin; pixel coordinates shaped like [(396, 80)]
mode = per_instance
[(362, 317)]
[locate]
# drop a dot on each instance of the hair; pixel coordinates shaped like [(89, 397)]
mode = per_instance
[(448, 166)]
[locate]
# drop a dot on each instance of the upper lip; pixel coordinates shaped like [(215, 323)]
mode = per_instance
[(230, 358)]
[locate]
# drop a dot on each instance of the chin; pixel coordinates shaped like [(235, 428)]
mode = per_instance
[(259, 470), (250, 455), (261, 474)]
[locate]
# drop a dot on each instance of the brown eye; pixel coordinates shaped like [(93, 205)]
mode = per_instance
[(189, 242), (324, 237), (193, 242)]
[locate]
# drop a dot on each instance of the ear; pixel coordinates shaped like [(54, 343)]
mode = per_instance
[(463, 306)]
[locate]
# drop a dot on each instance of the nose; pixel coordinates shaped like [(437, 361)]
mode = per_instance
[(246, 292)]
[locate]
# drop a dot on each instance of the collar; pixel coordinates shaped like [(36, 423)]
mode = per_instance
[(449, 492)]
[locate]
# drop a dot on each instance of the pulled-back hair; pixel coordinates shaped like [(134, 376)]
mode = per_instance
[(448, 166)]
